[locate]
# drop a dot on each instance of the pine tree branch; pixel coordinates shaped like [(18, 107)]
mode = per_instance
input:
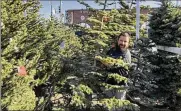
[(147, 105), (105, 4), (123, 4)]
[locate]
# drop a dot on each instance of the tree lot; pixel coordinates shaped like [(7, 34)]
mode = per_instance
[(45, 66)]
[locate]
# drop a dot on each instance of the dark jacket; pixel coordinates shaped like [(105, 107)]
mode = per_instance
[(115, 53), (126, 55)]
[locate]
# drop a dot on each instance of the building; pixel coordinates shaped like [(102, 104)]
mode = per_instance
[(79, 16)]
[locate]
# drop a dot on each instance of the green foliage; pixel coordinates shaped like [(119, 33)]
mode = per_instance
[(164, 31), (168, 76), (60, 49), (56, 62), (179, 92), (79, 96), (114, 103), (112, 63), (155, 76), (20, 94), (142, 80), (17, 91), (168, 32), (107, 25), (41, 46), (118, 77)]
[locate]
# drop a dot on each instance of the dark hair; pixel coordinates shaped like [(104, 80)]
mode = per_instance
[(125, 34)]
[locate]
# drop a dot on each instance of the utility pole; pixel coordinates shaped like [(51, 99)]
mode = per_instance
[(177, 4), (51, 10), (60, 10), (137, 19), (24, 2), (115, 4), (60, 7)]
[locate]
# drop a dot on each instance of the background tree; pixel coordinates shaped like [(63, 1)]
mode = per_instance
[(33, 50), (45, 56), (59, 52), (17, 90), (168, 32), (142, 84), (156, 76), (105, 26), (165, 31)]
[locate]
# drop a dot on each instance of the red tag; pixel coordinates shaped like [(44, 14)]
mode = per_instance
[(22, 71)]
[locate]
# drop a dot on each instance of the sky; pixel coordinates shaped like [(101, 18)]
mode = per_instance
[(45, 11)]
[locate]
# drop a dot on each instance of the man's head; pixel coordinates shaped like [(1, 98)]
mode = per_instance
[(123, 41)]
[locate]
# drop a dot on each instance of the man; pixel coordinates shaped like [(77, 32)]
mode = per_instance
[(120, 50)]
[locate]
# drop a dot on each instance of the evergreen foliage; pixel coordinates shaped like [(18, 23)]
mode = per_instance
[(105, 27), (142, 80), (168, 32), (165, 31), (46, 67), (17, 91), (155, 76), (34, 51)]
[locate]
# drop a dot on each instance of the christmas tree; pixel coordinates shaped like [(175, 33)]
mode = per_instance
[(155, 75), (165, 31), (60, 48), (33, 55), (168, 32), (17, 72), (105, 27), (142, 84)]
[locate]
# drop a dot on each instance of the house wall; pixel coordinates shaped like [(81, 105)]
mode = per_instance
[(81, 15)]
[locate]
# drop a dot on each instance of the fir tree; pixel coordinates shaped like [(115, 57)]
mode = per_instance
[(17, 90), (168, 32), (165, 31), (59, 48), (156, 76), (142, 84), (105, 26), (33, 54)]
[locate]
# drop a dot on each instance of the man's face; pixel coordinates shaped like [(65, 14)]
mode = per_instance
[(123, 42)]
